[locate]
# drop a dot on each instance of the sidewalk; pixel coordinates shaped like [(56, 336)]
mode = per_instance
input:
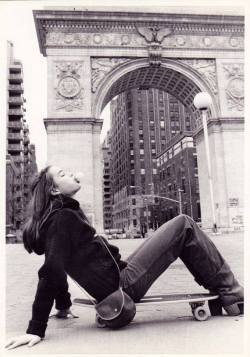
[(168, 329)]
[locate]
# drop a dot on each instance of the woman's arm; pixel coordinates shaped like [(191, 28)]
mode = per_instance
[(52, 280), (62, 298), (52, 277)]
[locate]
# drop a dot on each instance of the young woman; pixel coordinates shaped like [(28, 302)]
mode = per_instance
[(59, 229)]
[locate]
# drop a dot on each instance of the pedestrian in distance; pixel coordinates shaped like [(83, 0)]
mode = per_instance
[(59, 229)]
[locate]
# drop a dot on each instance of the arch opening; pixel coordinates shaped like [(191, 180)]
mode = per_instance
[(182, 86)]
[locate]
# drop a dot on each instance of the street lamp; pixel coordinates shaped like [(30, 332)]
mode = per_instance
[(203, 101)]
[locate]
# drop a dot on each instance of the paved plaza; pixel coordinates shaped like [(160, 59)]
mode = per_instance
[(168, 329)]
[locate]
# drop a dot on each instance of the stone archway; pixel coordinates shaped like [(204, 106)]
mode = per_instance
[(94, 55), (176, 77)]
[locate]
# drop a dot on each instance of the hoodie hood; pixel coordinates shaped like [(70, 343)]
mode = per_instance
[(58, 203)]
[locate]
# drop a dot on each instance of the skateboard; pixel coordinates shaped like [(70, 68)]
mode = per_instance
[(196, 302)]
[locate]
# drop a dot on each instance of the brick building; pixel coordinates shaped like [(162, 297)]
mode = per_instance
[(177, 179)]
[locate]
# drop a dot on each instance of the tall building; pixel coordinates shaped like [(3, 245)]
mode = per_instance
[(177, 179), (107, 187), (18, 157), (143, 123)]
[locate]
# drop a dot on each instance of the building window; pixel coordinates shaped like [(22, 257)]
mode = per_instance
[(183, 184), (195, 162), (196, 181)]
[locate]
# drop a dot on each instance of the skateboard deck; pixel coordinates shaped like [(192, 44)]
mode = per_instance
[(196, 302)]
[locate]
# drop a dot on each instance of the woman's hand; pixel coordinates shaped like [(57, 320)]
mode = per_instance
[(64, 314), (28, 338)]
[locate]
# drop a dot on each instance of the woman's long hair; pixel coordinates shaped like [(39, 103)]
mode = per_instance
[(38, 208)]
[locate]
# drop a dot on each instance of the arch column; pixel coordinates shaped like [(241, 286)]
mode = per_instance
[(73, 134), (74, 144)]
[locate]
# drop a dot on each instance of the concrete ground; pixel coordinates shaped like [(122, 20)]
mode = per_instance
[(168, 329)]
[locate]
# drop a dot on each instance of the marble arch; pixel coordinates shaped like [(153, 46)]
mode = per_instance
[(92, 55)]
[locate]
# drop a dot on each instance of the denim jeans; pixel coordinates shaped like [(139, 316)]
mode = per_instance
[(180, 237)]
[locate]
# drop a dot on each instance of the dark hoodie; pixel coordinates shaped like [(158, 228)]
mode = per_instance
[(71, 247)]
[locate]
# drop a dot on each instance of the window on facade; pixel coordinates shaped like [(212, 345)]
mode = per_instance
[(143, 171), (196, 181), (183, 184), (162, 123), (141, 151), (133, 201)]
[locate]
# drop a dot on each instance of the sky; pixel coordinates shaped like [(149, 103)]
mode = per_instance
[(17, 25)]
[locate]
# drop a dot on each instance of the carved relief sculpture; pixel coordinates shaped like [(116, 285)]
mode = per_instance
[(206, 68), (235, 85), (101, 66), (68, 89), (154, 36)]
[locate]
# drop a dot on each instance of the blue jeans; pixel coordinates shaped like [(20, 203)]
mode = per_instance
[(180, 237)]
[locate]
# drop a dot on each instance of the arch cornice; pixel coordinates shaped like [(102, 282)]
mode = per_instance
[(100, 97)]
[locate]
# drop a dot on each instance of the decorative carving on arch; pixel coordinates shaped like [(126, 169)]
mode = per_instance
[(101, 66), (235, 85), (68, 89), (154, 36), (207, 68)]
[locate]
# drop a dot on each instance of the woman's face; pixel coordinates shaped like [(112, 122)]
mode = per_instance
[(64, 182)]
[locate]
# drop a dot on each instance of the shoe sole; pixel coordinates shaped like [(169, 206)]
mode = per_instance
[(235, 309)]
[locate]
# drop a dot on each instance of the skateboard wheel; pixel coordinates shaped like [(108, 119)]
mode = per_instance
[(200, 314), (99, 322)]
